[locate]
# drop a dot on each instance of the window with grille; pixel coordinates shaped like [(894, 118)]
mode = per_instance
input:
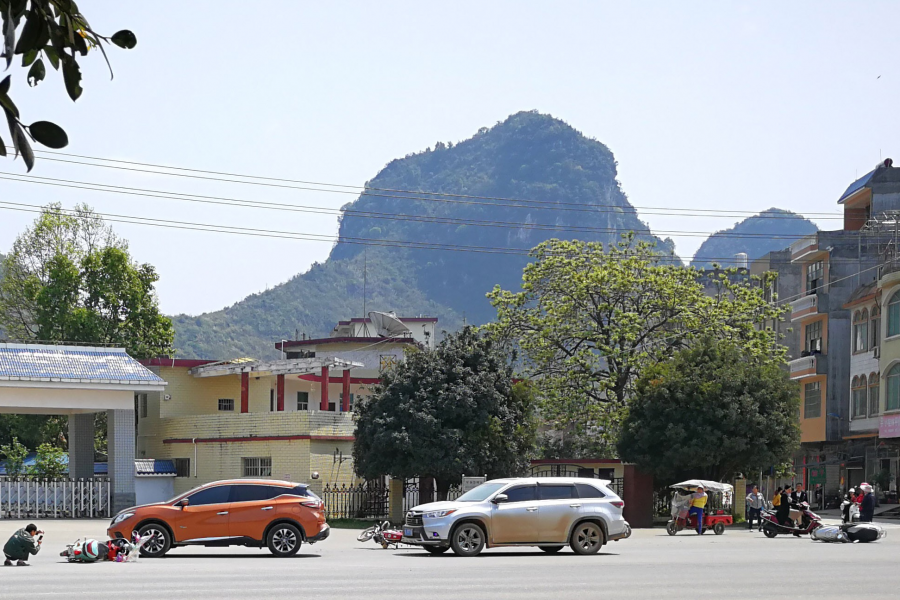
[(142, 405), (226, 404), (814, 337), (892, 401), (814, 276), (874, 400), (302, 400), (352, 400), (812, 400), (861, 331), (893, 315), (257, 466), (182, 467), (859, 397)]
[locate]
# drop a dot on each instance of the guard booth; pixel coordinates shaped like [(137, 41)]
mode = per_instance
[(79, 381)]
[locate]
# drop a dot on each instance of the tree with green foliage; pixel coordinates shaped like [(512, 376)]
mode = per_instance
[(591, 318), (70, 279), (34, 430), (443, 413), (50, 462), (714, 410), (54, 30), (14, 455)]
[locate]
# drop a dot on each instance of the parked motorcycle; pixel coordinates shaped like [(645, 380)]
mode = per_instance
[(808, 522), (382, 534), (849, 511)]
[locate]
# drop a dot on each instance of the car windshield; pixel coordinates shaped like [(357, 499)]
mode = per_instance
[(481, 493), (183, 494)]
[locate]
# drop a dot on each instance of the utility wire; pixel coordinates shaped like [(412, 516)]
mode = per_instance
[(418, 195), (225, 201)]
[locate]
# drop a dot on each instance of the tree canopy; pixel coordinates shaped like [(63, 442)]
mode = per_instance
[(712, 411), (445, 413), (591, 318), (55, 31), (68, 278)]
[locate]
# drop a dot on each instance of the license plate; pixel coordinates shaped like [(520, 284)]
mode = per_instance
[(408, 532)]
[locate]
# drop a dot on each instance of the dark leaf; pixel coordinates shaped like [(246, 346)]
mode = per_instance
[(80, 44), (20, 141), (51, 54), (36, 73), (4, 85), (2, 148), (9, 39), (29, 35), (124, 39), (72, 77), (29, 57), (6, 102), (49, 134)]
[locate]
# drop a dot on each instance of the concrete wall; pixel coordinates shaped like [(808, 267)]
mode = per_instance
[(148, 490)]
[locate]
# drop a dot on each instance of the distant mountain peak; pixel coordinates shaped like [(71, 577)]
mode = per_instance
[(784, 227)]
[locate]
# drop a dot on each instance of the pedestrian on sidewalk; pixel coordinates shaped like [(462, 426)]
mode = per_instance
[(755, 503), (22, 544)]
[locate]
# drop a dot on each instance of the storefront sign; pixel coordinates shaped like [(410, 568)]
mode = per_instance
[(816, 475), (889, 426)]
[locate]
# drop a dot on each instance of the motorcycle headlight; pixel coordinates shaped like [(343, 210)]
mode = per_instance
[(437, 514), (121, 517)]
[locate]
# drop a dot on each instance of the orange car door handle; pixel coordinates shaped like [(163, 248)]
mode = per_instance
[(224, 512), (267, 508), (531, 509)]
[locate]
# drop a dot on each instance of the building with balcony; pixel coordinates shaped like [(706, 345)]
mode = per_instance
[(285, 419)]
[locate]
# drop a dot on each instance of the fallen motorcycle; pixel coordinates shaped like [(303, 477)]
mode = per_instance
[(849, 533), (381, 534), (118, 550)]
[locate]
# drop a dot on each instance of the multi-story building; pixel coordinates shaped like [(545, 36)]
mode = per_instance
[(286, 418), (839, 279)]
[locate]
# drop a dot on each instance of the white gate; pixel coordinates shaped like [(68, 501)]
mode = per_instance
[(40, 498)]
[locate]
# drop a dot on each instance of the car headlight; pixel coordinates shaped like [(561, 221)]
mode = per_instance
[(121, 517), (437, 514)]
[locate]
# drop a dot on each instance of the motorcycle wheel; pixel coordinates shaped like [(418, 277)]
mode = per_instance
[(769, 531), (366, 535), (671, 528)]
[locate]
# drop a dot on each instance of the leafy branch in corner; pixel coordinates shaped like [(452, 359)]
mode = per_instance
[(55, 31)]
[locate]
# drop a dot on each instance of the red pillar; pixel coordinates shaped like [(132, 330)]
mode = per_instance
[(345, 404), (323, 405), (245, 392), (279, 393)]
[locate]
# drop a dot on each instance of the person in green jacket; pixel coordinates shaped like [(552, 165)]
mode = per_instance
[(23, 543)]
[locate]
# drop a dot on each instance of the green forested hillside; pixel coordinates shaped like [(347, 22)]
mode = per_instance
[(787, 226), (542, 163)]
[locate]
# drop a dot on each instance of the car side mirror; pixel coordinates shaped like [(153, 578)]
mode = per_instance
[(500, 499), (183, 502)]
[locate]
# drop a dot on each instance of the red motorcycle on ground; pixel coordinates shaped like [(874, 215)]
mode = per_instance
[(803, 521)]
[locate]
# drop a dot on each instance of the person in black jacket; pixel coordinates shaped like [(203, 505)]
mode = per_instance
[(784, 508), (867, 507)]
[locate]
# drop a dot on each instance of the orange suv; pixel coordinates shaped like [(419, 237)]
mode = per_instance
[(238, 512)]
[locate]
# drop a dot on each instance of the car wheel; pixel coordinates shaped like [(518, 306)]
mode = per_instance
[(769, 530), (671, 528), (157, 540), (283, 540), (719, 528), (587, 538), (551, 549), (436, 549), (467, 540)]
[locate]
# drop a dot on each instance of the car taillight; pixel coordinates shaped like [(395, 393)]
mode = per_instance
[(618, 504), (312, 504)]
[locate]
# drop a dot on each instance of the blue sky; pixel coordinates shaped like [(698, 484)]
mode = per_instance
[(710, 105)]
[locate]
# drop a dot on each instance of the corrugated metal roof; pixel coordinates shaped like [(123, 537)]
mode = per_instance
[(30, 362), (856, 186), (150, 466)]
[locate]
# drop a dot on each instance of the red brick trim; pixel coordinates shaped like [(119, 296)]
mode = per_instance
[(359, 380)]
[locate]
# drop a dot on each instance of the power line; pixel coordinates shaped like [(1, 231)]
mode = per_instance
[(414, 195), (225, 201)]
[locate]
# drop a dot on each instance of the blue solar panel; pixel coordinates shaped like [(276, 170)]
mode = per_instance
[(856, 186), (72, 363)]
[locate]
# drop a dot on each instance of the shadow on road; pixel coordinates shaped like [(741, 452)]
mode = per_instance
[(568, 555), (178, 556)]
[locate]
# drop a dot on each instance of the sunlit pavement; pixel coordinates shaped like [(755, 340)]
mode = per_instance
[(650, 564)]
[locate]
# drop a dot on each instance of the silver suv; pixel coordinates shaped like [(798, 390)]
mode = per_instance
[(547, 512)]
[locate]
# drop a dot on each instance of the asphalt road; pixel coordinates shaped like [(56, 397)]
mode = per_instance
[(738, 564)]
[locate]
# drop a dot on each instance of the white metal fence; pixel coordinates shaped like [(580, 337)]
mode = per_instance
[(35, 497)]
